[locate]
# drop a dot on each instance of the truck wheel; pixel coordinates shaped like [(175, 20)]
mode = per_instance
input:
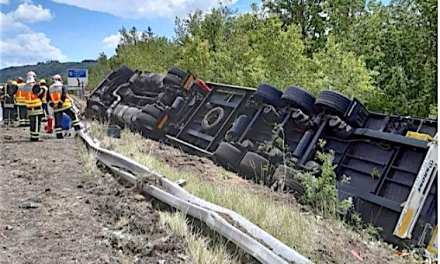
[(332, 101), (213, 118), (269, 93), (124, 70), (178, 72), (96, 110), (172, 81), (152, 110), (227, 155), (288, 175), (145, 123), (253, 166), (299, 98)]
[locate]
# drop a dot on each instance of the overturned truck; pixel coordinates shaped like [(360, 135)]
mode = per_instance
[(391, 160)]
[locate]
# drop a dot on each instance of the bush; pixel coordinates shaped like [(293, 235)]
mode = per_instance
[(321, 193)]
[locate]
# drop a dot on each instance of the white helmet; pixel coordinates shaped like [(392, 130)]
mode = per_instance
[(31, 74), (30, 77), (57, 77)]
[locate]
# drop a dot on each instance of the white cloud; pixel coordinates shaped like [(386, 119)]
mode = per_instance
[(4, 2), (28, 48), (25, 13), (8, 24), (30, 13), (112, 41), (145, 8)]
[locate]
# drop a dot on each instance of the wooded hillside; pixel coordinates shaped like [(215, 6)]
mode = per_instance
[(44, 69), (385, 55)]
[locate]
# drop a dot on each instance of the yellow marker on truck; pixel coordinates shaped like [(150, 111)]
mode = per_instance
[(419, 192)]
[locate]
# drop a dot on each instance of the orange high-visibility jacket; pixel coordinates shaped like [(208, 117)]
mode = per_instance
[(58, 93), (32, 91), (44, 99), (20, 98)]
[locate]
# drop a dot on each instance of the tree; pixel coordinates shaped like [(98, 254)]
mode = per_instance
[(307, 14), (400, 43), (147, 35), (384, 55)]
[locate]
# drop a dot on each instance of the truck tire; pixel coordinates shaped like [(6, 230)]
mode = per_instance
[(96, 110), (145, 123), (283, 171), (332, 101), (253, 166), (178, 72), (269, 93), (213, 118), (152, 110), (299, 98), (227, 155), (172, 81), (124, 70)]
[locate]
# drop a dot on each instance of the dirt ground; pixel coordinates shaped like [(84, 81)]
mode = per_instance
[(207, 170), (337, 241), (72, 219)]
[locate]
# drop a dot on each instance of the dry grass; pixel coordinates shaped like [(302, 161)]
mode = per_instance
[(322, 241), (88, 160), (198, 247)]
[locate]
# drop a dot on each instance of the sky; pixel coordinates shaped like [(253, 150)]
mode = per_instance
[(32, 31)]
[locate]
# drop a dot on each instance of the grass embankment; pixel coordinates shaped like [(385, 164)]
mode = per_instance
[(321, 240), (200, 250)]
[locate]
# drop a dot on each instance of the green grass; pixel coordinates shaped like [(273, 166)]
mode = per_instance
[(321, 240), (256, 208), (198, 247)]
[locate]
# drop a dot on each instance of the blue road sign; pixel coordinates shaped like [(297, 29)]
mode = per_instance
[(77, 73)]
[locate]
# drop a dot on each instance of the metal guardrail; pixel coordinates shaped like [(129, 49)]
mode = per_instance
[(250, 238)]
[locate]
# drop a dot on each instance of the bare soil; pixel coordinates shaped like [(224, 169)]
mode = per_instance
[(76, 219), (337, 243), (207, 170)]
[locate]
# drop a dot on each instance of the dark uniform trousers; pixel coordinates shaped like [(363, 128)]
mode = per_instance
[(36, 115), (9, 113), (23, 119), (46, 112), (59, 120)]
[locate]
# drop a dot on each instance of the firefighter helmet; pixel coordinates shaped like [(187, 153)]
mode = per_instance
[(31, 74), (57, 77)]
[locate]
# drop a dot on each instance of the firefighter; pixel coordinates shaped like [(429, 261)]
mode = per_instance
[(34, 94), (44, 99), (59, 100), (20, 103), (9, 95), (2, 103)]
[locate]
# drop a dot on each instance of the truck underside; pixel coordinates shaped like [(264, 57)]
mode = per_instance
[(391, 160)]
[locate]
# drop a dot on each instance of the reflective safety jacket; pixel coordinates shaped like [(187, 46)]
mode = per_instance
[(57, 93), (44, 99), (9, 94), (20, 95), (33, 94)]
